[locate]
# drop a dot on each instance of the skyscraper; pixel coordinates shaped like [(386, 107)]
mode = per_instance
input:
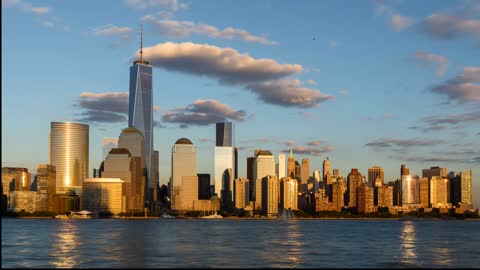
[(47, 179), (270, 195), (404, 170), (107, 145), (424, 192), (291, 165), (354, 180), (326, 169), (374, 173), (438, 191), (140, 112), (410, 190), (241, 194), (435, 171), (466, 187), (281, 166), (305, 174), (68, 152), (264, 166), (225, 154), (184, 175), (288, 193)]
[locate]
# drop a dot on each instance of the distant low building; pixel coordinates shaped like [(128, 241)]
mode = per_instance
[(30, 201), (104, 195)]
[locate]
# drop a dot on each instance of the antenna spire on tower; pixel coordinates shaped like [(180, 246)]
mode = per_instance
[(141, 42)]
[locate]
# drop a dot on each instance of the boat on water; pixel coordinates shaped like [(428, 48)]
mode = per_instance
[(165, 215), (216, 215), (62, 217)]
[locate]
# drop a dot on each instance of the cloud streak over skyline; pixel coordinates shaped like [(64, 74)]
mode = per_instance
[(463, 88), (264, 77)]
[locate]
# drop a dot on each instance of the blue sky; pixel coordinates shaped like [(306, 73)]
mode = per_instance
[(361, 82)]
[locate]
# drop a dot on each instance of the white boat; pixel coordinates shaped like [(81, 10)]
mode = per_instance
[(165, 215), (216, 215), (61, 217)]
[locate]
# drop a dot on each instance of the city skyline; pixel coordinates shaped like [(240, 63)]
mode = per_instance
[(431, 120)]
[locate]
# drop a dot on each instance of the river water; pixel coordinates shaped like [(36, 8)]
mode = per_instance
[(224, 243)]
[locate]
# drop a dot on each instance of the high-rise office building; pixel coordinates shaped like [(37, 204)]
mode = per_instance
[(132, 140), (424, 192), (107, 145), (435, 171), (305, 174), (291, 165), (298, 171), (46, 181), (336, 172), (140, 114), (68, 152), (404, 170), (374, 173), (270, 195), (385, 196), (365, 199), (438, 192), (104, 195), (224, 134), (119, 163), (241, 194), (466, 187), (410, 189), (317, 178), (354, 180), (225, 155), (264, 166), (326, 169), (184, 175), (281, 166), (15, 179), (250, 169), (288, 193)]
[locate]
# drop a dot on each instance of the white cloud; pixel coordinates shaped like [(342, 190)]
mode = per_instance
[(110, 29), (26, 7), (182, 29), (398, 22), (445, 26), (143, 4), (311, 82), (48, 24), (463, 88), (438, 61)]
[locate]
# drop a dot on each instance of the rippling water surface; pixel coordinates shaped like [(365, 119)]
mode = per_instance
[(239, 243)]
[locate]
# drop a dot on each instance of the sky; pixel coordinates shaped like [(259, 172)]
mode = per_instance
[(361, 82)]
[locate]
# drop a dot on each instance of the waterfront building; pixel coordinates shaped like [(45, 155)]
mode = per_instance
[(29, 201), (241, 194), (291, 165), (466, 187), (68, 152), (354, 180), (365, 199), (119, 163), (438, 192), (424, 192), (107, 145), (15, 179), (133, 140), (140, 115), (269, 196), (326, 169), (281, 166), (204, 186), (184, 175), (305, 175), (374, 173), (385, 196), (264, 166), (104, 195), (288, 193), (46, 181), (410, 190)]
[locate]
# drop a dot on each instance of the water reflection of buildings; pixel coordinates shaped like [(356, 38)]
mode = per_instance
[(294, 243), (408, 240), (64, 251)]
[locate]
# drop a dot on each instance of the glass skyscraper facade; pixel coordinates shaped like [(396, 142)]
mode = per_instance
[(140, 115), (68, 152), (225, 155), (224, 134)]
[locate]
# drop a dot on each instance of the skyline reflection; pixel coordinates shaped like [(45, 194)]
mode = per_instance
[(408, 242), (64, 250)]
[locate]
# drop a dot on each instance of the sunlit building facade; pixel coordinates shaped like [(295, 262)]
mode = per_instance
[(270, 196), (466, 187), (15, 179), (281, 166), (46, 182), (184, 175), (264, 166), (410, 189), (291, 165), (424, 192), (374, 173), (241, 194), (68, 152), (305, 175), (326, 169), (438, 192), (288, 193), (104, 195)]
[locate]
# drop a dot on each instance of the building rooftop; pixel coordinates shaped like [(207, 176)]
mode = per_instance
[(131, 129), (264, 153), (119, 151), (183, 141)]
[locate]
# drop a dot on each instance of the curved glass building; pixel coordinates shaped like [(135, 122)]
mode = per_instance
[(68, 152)]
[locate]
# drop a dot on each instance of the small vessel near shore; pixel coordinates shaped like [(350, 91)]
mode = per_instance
[(168, 216), (61, 217), (213, 216)]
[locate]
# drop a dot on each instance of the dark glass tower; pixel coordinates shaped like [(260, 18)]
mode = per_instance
[(224, 134), (140, 113)]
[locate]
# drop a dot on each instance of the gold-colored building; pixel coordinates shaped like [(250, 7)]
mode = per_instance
[(104, 195), (291, 165), (184, 175), (270, 196), (46, 182), (354, 180), (374, 173), (288, 193), (385, 196), (365, 199), (438, 192), (68, 152), (304, 175), (424, 192), (241, 193)]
